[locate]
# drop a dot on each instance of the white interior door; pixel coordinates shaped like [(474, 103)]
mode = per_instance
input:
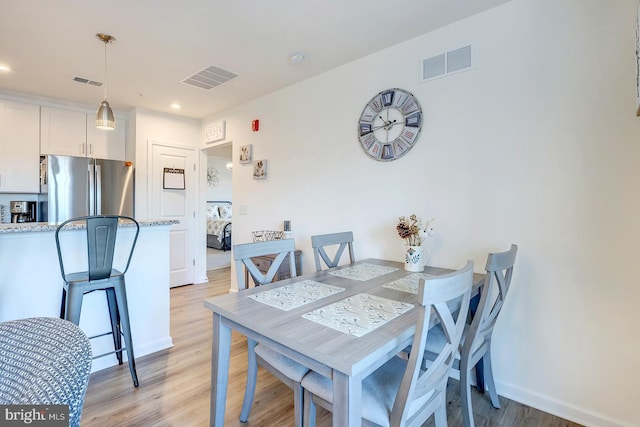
[(176, 203)]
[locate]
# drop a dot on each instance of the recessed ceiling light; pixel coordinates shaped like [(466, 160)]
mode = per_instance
[(5, 68), (297, 57), (176, 106)]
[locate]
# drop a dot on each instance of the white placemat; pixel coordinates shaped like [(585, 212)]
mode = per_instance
[(408, 283), (363, 271), (296, 294), (358, 314)]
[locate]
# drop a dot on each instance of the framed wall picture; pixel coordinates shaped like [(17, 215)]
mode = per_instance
[(215, 131), (260, 169), (246, 153)]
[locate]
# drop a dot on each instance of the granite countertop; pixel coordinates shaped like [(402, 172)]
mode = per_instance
[(29, 227)]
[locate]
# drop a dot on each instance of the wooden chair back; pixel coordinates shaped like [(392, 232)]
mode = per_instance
[(426, 388), (243, 254), (320, 242), (499, 268)]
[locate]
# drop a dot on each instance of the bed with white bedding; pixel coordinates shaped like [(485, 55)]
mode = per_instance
[(219, 224)]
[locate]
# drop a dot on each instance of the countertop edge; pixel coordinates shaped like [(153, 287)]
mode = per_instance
[(38, 227)]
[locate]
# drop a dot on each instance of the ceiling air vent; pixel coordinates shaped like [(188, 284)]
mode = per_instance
[(209, 78), (87, 81), (446, 63)]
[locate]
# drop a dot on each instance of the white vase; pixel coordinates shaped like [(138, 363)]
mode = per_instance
[(413, 259)]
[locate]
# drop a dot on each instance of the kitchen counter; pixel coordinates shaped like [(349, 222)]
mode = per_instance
[(31, 284), (30, 227)]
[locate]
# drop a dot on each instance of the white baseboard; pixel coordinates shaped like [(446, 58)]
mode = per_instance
[(556, 407), (108, 361)]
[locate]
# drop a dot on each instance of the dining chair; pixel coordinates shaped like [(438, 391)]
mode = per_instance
[(244, 253), (321, 241), (282, 367), (475, 346), (403, 392), (100, 238)]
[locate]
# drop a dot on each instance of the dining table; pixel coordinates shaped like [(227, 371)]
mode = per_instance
[(343, 323)]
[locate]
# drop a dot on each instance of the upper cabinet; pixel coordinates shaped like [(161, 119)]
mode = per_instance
[(73, 133), (19, 147), (106, 144)]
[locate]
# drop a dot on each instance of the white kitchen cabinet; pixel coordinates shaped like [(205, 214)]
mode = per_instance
[(73, 133), (19, 147), (106, 144)]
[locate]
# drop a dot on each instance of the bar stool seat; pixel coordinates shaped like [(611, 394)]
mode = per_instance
[(101, 233)]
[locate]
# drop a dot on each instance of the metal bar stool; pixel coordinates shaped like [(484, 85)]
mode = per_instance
[(101, 232)]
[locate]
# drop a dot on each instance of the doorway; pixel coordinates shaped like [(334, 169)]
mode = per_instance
[(219, 189)]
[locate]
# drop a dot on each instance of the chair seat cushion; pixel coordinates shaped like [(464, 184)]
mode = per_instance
[(44, 361), (290, 368), (378, 391)]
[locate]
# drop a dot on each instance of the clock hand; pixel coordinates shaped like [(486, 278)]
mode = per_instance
[(390, 124), (385, 122)]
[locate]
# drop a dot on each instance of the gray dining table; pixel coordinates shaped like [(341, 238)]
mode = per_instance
[(342, 323)]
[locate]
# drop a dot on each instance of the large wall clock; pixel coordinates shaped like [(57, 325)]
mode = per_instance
[(390, 124)]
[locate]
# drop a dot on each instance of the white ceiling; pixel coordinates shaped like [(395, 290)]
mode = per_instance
[(161, 42)]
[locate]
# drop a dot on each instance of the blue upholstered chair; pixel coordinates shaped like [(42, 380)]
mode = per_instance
[(475, 346), (403, 392), (44, 361), (283, 368)]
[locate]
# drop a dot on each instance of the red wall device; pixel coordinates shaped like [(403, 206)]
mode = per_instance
[(255, 125)]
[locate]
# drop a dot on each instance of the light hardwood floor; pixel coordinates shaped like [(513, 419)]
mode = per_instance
[(174, 383)]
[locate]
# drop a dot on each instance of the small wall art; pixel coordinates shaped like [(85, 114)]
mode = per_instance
[(173, 179), (260, 169), (246, 152)]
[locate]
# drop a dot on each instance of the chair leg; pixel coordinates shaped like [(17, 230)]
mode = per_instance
[(115, 322), (488, 378), (465, 394), (440, 415), (309, 416), (480, 382), (298, 404), (62, 304), (252, 379), (123, 308), (73, 306)]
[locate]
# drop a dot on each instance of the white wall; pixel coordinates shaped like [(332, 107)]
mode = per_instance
[(152, 126), (222, 190), (537, 145)]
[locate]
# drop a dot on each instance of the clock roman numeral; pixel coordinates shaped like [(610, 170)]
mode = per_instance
[(387, 98), (376, 104), (365, 128), (387, 152), (413, 120)]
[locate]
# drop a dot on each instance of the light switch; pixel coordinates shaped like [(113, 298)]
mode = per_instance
[(243, 210)]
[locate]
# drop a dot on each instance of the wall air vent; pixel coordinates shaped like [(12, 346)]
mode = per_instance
[(454, 61), (209, 78), (86, 81)]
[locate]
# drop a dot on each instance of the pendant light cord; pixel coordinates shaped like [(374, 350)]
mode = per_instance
[(105, 69)]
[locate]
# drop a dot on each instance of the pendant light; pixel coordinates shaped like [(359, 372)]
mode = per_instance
[(104, 115)]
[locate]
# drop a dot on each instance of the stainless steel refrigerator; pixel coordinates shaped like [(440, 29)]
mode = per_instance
[(78, 186)]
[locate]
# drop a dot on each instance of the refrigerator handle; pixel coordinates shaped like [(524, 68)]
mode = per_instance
[(98, 190), (91, 208)]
